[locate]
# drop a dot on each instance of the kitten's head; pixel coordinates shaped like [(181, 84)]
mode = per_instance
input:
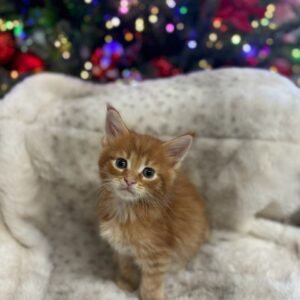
[(135, 166)]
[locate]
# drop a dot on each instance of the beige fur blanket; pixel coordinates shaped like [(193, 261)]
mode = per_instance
[(245, 161)]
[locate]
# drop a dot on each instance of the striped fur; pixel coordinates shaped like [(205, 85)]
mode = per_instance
[(157, 221)]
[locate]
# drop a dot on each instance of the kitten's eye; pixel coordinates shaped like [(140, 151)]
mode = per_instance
[(148, 172), (121, 163)]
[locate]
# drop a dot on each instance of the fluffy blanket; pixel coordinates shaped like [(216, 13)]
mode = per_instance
[(245, 161)]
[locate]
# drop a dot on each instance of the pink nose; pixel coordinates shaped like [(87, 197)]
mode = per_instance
[(129, 181)]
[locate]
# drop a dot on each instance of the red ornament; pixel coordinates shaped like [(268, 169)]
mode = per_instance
[(105, 62), (27, 62), (283, 66), (7, 48), (115, 57), (96, 56), (164, 68), (252, 61), (240, 12)]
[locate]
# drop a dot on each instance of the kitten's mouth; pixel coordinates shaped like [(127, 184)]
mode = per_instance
[(127, 189)]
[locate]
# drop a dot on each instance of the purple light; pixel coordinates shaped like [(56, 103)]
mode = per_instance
[(170, 27), (105, 63), (249, 51), (264, 52), (123, 10)]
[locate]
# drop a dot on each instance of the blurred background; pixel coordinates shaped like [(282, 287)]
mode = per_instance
[(137, 39)]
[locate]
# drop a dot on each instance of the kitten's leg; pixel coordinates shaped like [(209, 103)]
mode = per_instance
[(153, 276), (128, 273)]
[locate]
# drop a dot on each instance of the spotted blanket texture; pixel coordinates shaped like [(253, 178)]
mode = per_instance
[(245, 161)]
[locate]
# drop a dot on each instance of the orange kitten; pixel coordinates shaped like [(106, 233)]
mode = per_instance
[(149, 212)]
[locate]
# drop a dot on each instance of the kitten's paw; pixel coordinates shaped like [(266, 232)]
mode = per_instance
[(153, 296), (127, 284)]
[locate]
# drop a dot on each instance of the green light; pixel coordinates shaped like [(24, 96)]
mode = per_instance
[(296, 53), (18, 30), (236, 39), (183, 10), (264, 22), (9, 25)]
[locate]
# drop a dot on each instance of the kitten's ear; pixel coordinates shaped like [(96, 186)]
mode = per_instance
[(177, 148), (114, 125)]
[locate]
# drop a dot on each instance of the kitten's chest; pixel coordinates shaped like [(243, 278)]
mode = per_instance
[(117, 237)]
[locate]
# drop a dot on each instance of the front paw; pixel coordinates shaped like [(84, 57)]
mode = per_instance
[(127, 284), (155, 298), (157, 295)]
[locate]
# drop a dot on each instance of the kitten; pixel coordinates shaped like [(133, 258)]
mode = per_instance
[(149, 212)]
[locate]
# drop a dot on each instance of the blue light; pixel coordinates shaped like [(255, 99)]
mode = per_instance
[(113, 47), (247, 48)]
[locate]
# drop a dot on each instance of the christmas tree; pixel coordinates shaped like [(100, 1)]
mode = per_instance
[(134, 39)]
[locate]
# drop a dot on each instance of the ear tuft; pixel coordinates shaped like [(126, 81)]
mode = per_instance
[(114, 125), (177, 148), (109, 106)]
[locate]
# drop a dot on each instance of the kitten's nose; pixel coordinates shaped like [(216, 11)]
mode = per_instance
[(129, 181)]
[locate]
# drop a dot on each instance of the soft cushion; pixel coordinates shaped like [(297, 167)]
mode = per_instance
[(245, 162)]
